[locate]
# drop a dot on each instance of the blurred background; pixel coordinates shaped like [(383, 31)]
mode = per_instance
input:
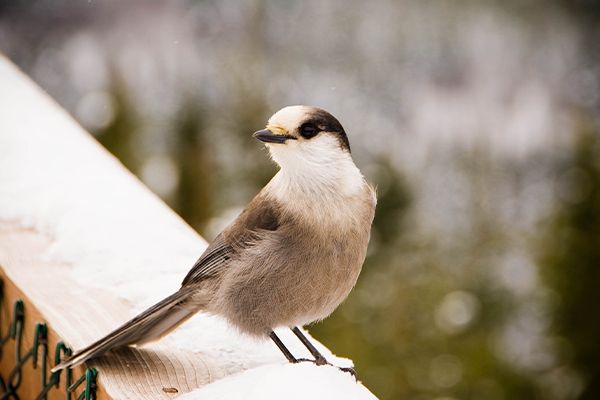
[(477, 120)]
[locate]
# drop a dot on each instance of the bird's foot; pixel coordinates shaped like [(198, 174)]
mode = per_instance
[(298, 360), (323, 361), (317, 361), (349, 370)]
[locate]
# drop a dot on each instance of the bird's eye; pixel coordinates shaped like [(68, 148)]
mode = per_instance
[(308, 130)]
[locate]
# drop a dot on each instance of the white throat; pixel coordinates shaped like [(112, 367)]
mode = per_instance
[(319, 179)]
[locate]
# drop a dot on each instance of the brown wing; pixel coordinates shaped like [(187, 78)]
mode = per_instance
[(260, 215)]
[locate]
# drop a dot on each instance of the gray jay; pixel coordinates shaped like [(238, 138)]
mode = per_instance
[(290, 258)]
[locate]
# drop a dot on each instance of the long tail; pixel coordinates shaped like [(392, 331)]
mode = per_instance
[(150, 325)]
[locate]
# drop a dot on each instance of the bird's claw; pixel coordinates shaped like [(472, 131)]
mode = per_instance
[(349, 370), (322, 361)]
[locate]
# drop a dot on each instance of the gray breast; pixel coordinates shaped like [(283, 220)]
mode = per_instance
[(292, 276)]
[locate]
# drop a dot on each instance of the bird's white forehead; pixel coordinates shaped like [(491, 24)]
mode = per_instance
[(289, 117)]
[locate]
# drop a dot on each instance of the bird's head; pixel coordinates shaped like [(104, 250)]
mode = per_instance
[(301, 137)]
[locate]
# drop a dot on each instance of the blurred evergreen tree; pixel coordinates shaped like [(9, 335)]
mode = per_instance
[(571, 258), (195, 197), (118, 136)]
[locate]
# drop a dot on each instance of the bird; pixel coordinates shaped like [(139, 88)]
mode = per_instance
[(289, 259)]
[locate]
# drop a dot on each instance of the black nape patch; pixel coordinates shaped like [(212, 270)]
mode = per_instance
[(326, 122)]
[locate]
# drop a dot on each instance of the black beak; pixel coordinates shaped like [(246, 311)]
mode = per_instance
[(269, 137)]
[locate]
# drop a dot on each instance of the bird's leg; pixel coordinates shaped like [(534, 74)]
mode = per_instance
[(319, 358), (288, 354)]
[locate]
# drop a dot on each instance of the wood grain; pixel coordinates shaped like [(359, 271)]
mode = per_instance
[(78, 315)]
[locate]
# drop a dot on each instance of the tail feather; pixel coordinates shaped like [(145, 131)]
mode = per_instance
[(150, 325)]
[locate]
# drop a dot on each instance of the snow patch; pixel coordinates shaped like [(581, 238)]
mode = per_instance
[(291, 382)]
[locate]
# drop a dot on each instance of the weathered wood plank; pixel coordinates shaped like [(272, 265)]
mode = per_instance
[(80, 315)]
